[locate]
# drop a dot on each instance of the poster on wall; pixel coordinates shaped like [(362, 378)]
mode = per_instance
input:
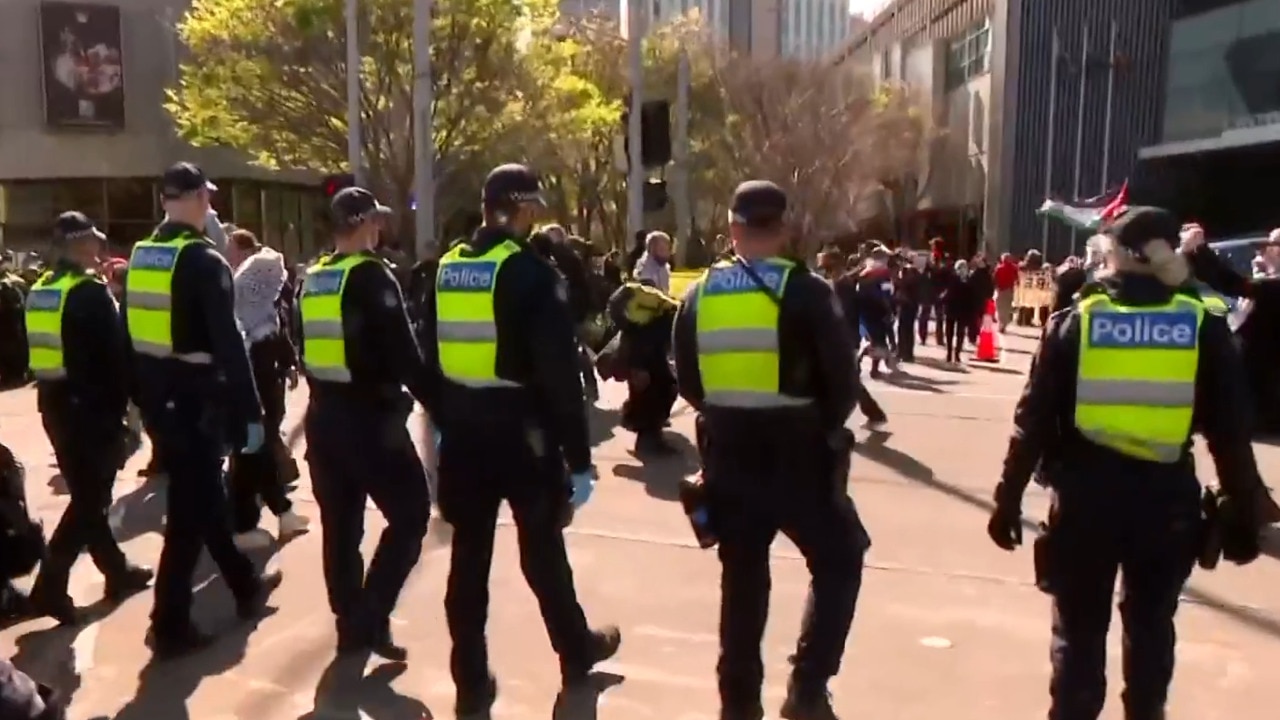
[(82, 66)]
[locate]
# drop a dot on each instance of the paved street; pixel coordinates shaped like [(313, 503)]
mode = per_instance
[(948, 626)]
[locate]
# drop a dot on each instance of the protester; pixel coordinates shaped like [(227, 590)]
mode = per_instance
[(260, 280), (958, 302), (655, 264), (1006, 283)]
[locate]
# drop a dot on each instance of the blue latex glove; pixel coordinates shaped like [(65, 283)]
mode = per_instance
[(583, 483), (254, 437)]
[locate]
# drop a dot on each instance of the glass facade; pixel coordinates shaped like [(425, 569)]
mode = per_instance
[(1223, 68), (286, 217), (969, 55)]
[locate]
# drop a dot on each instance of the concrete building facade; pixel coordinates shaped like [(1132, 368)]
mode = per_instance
[(83, 126), (1010, 115)]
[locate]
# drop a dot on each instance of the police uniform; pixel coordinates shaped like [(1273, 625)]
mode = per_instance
[(359, 356), (763, 354), (193, 383), (511, 416), (1117, 386), (80, 363)]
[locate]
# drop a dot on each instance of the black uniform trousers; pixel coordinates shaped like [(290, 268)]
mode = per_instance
[(257, 475), (478, 470), (88, 448), (359, 450), (1147, 529), (821, 520), (189, 436), (907, 315)]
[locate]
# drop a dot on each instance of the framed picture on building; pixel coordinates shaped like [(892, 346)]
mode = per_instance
[(82, 66)]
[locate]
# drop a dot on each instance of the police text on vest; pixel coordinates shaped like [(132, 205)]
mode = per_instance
[(734, 279), (467, 276), (1151, 330)]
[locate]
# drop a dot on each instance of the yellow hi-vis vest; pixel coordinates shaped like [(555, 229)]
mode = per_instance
[(466, 332), (324, 343), (737, 330), (148, 292), (45, 304), (1136, 387)]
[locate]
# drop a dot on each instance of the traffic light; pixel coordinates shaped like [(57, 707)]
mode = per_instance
[(333, 184), (655, 133)]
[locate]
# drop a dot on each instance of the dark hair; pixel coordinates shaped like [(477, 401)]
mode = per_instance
[(243, 239)]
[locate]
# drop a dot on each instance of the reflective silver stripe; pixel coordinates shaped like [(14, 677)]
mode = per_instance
[(749, 399), (49, 341), (1131, 446), (738, 340), (156, 350), (329, 374), (50, 374), (476, 384), (454, 331), (1149, 393), (322, 329), (144, 300), (195, 358)]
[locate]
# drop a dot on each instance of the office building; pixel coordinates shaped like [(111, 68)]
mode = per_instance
[(1184, 105), (82, 127), (807, 29), (1215, 153)]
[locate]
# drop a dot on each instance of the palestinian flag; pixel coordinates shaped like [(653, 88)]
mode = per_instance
[(1088, 214)]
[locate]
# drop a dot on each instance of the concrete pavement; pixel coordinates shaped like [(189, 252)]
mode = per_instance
[(948, 626)]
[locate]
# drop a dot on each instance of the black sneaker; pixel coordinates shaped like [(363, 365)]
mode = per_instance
[(805, 702), (130, 582), (254, 606), (61, 608), (604, 644), (382, 645), (653, 444), (752, 712), (475, 701), (171, 644)]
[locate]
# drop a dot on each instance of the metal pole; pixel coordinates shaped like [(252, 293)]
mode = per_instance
[(635, 168), (682, 201), (1048, 152), (1111, 94), (355, 152), (424, 145), (1080, 101)]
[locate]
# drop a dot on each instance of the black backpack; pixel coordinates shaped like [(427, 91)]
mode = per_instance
[(21, 536)]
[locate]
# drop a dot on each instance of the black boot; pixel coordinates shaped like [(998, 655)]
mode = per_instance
[(604, 644), (806, 701)]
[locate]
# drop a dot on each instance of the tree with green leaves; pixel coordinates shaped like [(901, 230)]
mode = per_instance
[(268, 77)]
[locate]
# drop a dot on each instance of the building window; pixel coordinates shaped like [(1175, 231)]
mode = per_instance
[(886, 64), (968, 55)]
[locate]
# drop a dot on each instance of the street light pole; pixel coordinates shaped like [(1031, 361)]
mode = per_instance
[(635, 166), (355, 152), (424, 145)]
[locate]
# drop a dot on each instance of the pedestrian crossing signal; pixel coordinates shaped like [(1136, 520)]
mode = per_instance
[(333, 184)]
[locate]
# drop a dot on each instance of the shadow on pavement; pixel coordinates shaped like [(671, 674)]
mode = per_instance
[(142, 510), (995, 368), (346, 693), (165, 686), (917, 471), (1271, 542), (48, 654), (661, 474), (907, 381), (582, 702), (602, 423)]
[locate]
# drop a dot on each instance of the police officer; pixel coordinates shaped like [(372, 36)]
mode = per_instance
[(359, 356), (80, 361), (1117, 386), (763, 354), (500, 339), (193, 384)]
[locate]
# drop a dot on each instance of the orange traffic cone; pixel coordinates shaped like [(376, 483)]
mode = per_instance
[(988, 349)]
